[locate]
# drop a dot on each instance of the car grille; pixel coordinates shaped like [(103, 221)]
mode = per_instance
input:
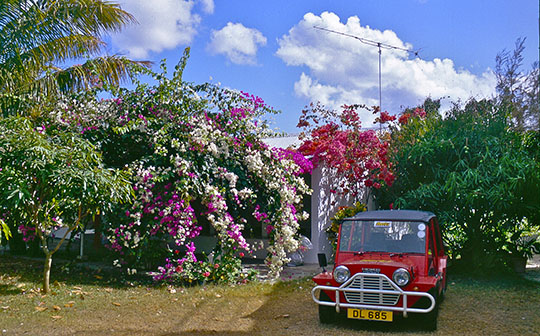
[(372, 282)]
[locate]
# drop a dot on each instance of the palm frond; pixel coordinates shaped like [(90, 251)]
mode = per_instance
[(34, 62), (36, 33), (109, 70)]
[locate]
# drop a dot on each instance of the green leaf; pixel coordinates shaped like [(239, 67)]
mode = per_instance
[(5, 229)]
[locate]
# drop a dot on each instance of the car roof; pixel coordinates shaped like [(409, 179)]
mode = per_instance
[(395, 215)]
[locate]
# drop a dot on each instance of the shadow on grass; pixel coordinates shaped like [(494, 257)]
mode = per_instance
[(288, 311), (503, 280), (68, 272), (9, 290)]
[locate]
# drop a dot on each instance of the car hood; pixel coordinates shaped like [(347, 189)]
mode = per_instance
[(380, 263)]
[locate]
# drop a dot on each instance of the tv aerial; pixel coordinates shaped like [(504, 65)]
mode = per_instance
[(377, 44)]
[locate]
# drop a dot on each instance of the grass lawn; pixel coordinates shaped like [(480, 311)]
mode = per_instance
[(94, 303)]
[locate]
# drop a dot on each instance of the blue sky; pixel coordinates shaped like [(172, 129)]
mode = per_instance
[(270, 48)]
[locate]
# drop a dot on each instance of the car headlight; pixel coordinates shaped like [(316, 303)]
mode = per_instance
[(341, 274), (401, 277)]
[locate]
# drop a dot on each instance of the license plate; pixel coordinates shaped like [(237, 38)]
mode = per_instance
[(373, 315)]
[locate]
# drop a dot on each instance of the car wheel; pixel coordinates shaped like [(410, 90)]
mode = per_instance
[(327, 314), (430, 319), (427, 321)]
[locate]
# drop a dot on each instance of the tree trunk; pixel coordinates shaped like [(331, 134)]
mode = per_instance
[(47, 272), (97, 235), (473, 253), (47, 265)]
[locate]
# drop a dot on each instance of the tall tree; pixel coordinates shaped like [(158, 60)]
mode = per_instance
[(518, 88), (53, 179), (476, 173), (36, 36)]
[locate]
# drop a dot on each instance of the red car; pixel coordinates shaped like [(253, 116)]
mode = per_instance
[(388, 263)]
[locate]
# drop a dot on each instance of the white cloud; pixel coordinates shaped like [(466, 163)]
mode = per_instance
[(208, 6), (343, 70), (238, 43), (163, 24)]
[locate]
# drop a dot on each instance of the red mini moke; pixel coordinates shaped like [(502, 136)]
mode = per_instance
[(389, 263)]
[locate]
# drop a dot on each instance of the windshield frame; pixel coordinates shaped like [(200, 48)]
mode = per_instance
[(387, 236)]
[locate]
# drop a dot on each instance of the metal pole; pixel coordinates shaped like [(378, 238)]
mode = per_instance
[(380, 90)]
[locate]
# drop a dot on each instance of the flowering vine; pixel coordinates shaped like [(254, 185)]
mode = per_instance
[(196, 156), (359, 157)]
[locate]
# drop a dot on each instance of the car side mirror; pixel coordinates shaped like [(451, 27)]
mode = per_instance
[(322, 260)]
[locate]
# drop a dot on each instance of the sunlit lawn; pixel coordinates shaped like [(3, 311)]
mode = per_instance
[(97, 303)]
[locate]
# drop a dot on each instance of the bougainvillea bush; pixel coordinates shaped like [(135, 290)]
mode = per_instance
[(357, 157), (198, 163)]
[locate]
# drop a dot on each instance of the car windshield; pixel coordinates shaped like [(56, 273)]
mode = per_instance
[(383, 236)]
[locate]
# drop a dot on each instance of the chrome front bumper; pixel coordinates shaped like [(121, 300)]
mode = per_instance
[(395, 290)]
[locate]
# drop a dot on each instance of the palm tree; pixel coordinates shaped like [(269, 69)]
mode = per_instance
[(37, 35)]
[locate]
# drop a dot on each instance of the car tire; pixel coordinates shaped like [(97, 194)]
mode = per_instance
[(429, 322), (327, 314)]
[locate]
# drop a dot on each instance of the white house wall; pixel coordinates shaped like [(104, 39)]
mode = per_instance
[(324, 205)]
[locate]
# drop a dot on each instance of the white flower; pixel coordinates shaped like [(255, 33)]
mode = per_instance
[(213, 149), (232, 178), (245, 193)]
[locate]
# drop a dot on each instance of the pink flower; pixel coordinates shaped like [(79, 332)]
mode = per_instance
[(404, 118), (385, 117), (420, 112)]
